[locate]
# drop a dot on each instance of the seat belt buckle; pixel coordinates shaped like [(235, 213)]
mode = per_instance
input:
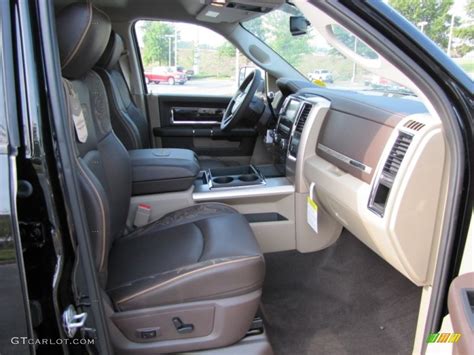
[(142, 215)]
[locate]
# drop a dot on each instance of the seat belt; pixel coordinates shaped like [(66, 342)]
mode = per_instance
[(125, 69)]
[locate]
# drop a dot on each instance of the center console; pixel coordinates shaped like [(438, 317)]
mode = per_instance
[(287, 134), (162, 170), (234, 176)]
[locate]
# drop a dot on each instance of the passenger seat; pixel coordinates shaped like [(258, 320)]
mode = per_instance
[(191, 280), (128, 122)]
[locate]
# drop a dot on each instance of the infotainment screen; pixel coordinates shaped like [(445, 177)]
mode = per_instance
[(289, 115)]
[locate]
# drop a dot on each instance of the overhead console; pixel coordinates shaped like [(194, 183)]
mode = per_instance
[(235, 10)]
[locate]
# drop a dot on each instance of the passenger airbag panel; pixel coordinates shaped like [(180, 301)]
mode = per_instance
[(352, 143)]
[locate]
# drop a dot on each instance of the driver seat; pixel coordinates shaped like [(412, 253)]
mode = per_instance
[(128, 122)]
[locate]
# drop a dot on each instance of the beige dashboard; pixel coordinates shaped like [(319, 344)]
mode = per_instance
[(380, 179)]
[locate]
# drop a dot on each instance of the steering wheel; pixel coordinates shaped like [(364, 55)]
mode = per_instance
[(240, 102)]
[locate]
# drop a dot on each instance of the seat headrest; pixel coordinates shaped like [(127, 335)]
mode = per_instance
[(112, 52), (83, 32)]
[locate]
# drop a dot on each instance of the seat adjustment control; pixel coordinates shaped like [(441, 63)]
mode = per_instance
[(181, 327), (148, 333)]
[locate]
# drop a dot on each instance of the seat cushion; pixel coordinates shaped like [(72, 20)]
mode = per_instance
[(203, 252)]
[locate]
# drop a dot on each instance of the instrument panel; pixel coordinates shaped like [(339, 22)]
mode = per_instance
[(374, 166)]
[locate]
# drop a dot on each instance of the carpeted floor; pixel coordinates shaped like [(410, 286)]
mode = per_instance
[(342, 300)]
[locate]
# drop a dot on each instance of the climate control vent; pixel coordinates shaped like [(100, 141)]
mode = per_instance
[(381, 189), (303, 117), (397, 154), (414, 125)]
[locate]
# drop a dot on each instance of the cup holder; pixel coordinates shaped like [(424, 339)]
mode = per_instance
[(223, 180), (248, 177)]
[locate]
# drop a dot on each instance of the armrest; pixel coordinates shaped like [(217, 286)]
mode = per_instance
[(162, 170)]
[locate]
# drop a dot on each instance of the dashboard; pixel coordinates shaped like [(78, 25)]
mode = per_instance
[(374, 165)]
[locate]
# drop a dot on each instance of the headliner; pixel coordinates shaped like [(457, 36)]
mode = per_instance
[(170, 10)]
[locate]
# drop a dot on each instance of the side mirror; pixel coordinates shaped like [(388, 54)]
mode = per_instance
[(299, 25)]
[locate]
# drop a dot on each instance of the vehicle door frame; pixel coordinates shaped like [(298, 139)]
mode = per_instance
[(446, 87)]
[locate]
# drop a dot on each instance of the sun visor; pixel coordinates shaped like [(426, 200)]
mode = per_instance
[(235, 11)]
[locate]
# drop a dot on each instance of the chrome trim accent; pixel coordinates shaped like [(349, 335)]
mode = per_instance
[(293, 129), (380, 177), (191, 122), (344, 158), (279, 187), (308, 139), (261, 180)]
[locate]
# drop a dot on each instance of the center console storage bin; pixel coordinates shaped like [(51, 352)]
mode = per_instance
[(162, 170)]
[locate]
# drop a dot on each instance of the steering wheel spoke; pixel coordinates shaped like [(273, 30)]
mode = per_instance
[(241, 100)]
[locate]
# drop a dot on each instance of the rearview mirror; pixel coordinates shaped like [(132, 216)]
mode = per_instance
[(298, 25)]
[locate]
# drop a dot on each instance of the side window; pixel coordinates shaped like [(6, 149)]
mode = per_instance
[(180, 58)]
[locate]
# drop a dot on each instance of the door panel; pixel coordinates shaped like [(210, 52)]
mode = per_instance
[(461, 310), (192, 122)]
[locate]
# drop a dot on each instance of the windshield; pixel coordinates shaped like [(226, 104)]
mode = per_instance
[(316, 59)]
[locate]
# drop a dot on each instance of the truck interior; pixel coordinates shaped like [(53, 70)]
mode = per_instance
[(280, 216)]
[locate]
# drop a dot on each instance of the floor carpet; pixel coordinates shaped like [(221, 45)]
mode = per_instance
[(341, 300)]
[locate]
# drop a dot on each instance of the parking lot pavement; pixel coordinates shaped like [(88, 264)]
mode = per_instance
[(198, 86)]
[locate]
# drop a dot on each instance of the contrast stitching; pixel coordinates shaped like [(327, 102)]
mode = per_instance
[(125, 122), (203, 239), (76, 48), (139, 232), (102, 258), (182, 276)]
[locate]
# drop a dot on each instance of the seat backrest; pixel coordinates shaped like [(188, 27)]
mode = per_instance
[(128, 121), (102, 161)]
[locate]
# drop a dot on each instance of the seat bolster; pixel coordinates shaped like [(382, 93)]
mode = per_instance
[(210, 279), (189, 214), (123, 125)]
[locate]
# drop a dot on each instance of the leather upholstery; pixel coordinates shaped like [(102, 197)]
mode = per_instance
[(112, 52), (203, 252), (227, 263), (163, 170), (161, 164), (83, 32), (128, 122)]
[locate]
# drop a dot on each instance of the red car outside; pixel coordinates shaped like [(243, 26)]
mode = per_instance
[(165, 74)]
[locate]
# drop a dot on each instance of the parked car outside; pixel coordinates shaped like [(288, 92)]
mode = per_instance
[(169, 75), (321, 74), (188, 72)]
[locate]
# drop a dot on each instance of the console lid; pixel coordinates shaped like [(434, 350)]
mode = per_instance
[(162, 170)]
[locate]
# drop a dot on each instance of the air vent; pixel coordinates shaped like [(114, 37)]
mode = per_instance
[(414, 125), (397, 154), (303, 116)]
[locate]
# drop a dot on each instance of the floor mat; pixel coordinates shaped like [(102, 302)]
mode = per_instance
[(342, 300)]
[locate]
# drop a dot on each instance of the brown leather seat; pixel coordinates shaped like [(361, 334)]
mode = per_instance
[(172, 259), (200, 267), (128, 121)]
